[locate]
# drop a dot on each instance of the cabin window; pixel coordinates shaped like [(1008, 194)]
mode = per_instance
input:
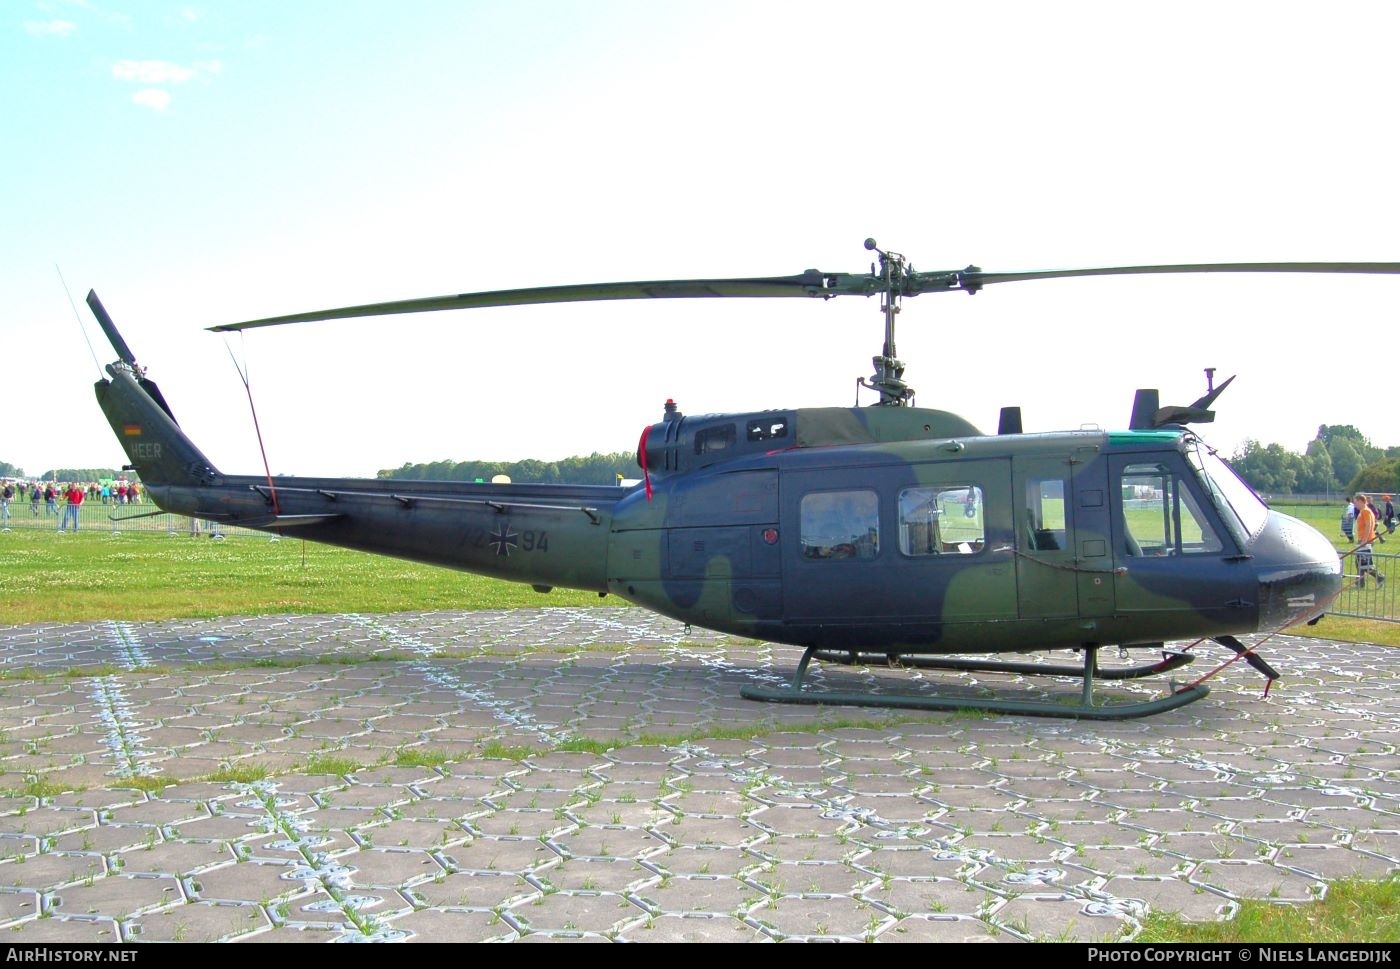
[(1045, 514), (1161, 516), (941, 520), (714, 439), (768, 429), (840, 525)]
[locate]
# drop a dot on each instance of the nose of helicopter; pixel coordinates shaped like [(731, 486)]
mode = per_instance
[(1300, 572)]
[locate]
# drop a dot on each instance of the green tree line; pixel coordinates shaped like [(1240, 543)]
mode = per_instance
[(595, 469), (1339, 459), (8, 470)]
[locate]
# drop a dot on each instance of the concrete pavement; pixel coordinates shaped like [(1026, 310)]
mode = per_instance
[(593, 774)]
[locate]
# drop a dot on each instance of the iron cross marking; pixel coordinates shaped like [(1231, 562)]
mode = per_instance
[(504, 539)]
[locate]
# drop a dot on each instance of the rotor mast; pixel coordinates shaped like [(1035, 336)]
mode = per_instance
[(888, 380)]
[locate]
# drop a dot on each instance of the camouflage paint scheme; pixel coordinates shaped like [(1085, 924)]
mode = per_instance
[(714, 536), (836, 529)]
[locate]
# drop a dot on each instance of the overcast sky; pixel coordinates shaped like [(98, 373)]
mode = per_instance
[(206, 163)]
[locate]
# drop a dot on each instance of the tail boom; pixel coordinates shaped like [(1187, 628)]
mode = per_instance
[(546, 535)]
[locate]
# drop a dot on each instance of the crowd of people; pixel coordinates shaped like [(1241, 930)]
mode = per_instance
[(64, 501)]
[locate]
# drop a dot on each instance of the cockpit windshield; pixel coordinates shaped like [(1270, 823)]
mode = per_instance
[(1238, 503)]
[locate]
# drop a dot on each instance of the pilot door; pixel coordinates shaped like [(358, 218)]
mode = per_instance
[(1174, 557)]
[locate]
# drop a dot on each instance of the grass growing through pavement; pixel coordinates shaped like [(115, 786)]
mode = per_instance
[(148, 576)]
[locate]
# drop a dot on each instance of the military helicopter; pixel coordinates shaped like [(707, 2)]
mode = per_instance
[(886, 533)]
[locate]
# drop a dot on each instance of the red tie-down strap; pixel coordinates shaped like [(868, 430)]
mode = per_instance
[(1245, 653)]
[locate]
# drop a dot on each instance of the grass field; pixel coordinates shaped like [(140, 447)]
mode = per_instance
[(1325, 518), (93, 575), (1352, 911)]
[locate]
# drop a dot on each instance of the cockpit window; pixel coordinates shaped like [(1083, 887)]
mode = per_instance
[(1236, 500), (1161, 516)]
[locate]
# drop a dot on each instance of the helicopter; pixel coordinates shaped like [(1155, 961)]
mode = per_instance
[(885, 533)]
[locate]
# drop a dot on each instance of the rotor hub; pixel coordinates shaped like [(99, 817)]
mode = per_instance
[(892, 277)]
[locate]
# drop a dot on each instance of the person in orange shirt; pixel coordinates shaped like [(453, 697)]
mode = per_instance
[(1365, 535)]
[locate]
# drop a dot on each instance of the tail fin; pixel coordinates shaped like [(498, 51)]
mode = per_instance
[(158, 450)]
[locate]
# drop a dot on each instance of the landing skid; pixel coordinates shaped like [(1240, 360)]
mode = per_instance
[(1084, 709)]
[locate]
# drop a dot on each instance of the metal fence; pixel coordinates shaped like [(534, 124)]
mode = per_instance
[(1366, 601), (111, 517)]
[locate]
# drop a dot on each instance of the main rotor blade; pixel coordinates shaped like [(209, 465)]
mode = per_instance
[(971, 277), (811, 283)]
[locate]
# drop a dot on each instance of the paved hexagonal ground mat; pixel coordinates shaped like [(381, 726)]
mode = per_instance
[(593, 774)]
